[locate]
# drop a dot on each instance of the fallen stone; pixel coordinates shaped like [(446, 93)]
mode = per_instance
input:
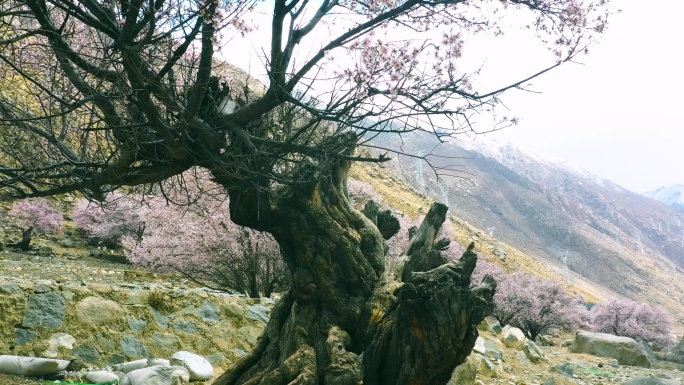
[(559, 380), (624, 349), (198, 367), (564, 369), (465, 373), (487, 367), (493, 325), (513, 337), (31, 366), (652, 380), (492, 350), (479, 346), (534, 353)]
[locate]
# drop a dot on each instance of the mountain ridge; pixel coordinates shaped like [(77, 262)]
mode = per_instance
[(671, 196), (612, 237)]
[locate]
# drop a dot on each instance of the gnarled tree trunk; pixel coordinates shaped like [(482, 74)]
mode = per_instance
[(348, 319)]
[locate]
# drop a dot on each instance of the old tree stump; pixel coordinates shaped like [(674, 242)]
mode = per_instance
[(351, 316)]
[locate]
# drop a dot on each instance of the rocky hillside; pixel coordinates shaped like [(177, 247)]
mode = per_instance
[(614, 241), (672, 196)]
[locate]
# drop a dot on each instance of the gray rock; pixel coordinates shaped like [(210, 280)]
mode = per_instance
[(218, 357), (258, 313), (200, 368), (208, 313), (31, 366), (115, 359), (186, 327), (23, 336), (161, 319), (131, 347), (493, 325), (87, 353), (234, 310), (465, 373), (46, 252), (513, 337), (45, 310), (546, 340), (105, 343), (42, 288), (487, 367), (10, 289), (99, 311), (240, 352), (533, 352), (479, 346), (101, 377), (137, 296), (564, 369), (137, 326), (168, 343), (624, 349), (67, 242), (492, 350), (652, 380)]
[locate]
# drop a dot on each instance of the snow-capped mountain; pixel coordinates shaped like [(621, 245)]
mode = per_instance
[(544, 207), (673, 196)]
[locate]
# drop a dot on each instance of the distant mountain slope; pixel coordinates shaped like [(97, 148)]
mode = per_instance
[(626, 242), (673, 196)]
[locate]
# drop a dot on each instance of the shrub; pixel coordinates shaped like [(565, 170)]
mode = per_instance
[(484, 268), (361, 192), (109, 221), (633, 319), (198, 240), (536, 306), (37, 213)]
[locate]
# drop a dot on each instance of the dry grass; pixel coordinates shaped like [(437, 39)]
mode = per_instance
[(402, 197), (6, 379)]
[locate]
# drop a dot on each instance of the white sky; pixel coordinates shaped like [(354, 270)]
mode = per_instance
[(620, 114), (617, 115)]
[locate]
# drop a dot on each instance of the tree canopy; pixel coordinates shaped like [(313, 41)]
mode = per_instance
[(111, 93)]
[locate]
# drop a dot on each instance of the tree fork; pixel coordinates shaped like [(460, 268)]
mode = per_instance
[(414, 322)]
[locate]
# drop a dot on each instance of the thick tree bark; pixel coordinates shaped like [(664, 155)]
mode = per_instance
[(25, 243), (345, 319)]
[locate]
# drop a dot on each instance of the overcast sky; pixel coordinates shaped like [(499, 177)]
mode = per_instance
[(620, 114), (617, 115)]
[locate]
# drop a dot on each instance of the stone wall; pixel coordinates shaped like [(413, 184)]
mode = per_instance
[(108, 324)]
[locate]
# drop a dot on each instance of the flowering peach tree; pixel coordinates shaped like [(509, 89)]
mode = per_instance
[(624, 317)]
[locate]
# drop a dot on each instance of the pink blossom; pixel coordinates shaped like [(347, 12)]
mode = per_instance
[(37, 213), (633, 319)]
